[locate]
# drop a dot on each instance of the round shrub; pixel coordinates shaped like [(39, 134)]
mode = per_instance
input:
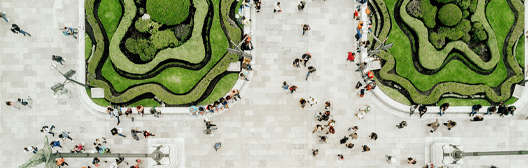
[(464, 4), (466, 38), (444, 1), (142, 25), (449, 14), (465, 14), (169, 12)]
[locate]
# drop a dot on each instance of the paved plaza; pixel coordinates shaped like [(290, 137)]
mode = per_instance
[(267, 128)]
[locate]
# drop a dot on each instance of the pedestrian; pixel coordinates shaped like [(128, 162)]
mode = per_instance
[(234, 94), (58, 59), (475, 109), (312, 100), (328, 104), (331, 130), (365, 148), (350, 145), (361, 66), (146, 133), (305, 28), (285, 86), (117, 131), (413, 108), (116, 113), (302, 102), (434, 125), (503, 110), (330, 123), (340, 158), (360, 115), (193, 109), (373, 136), (60, 162), (246, 22), (366, 109), (134, 133), (224, 103), (422, 109), (65, 135), (68, 31), (450, 124), (77, 148), (55, 143), (277, 7), (322, 139), (306, 57), (411, 161), (31, 148), (354, 128), (491, 110), (361, 93), (293, 88), (311, 69), (257, 5), (301, 5), (511, 109), (353, 135), (443, 108), (351, 56), (318, 127), (140, 110), (48, 130), (3, 15), (110, 110), (344, 140), (13, 104), (128, 112), (243, 76), (96, 161), (26, 102), (217, 146), (402, 124), (219, 106), (209, 124), (315, 152), (390, 159), (15, 29), (477, 118), (297, 63)]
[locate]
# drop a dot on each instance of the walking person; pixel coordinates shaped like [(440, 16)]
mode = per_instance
[(65, 135), (48, 130), (26, 102), (362, 66), (285, 86), (413, 108), (511, 109), (13, 104), (411, 161), (323, 139), (3, 15), (302, 102), (60, 162), (365, 148), (140, 110), (297, 63), (146, 133), (434, 125), (340, 158), (277, 7), (373, 136), (68, 31), (117, 131), (390, 159), (217, 146), (305, 28), (315, 152), (422, 109), (58, 59), (450, 124), (15, 29), (344, 140), (477, 118), (301, 6), (491, 110), (443, 108), (306, 57), (31, 148), (257, 5), (293, 88), (312, 100), (350, 145), (318, 127), (55, 143), (475, 109), (402, 124), (311, 69)]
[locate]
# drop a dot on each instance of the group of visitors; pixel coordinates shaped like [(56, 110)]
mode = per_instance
[(217, 106), (20, 101)]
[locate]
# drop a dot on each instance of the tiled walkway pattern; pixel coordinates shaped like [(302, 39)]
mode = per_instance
[(266, 129)]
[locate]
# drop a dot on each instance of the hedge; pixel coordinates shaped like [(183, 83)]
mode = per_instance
[(169, 12)]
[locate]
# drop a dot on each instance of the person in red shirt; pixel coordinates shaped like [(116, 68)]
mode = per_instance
[(330, 130), (147, 134), (356, 15), (60, 162)]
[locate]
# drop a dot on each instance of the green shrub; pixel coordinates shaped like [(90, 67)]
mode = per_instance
[(163, 39), (473, 6), (169, 12), (464, 4), (183, 32), (477, 26), (429, 13), (466, 38), (449, 14), (481, 35), (142, 25), (437, 40), (465, 14), (444, 1)]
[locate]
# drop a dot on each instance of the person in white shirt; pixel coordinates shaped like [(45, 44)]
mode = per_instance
[(277, 7)]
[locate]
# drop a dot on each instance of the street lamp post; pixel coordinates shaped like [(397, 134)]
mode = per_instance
[(68, 76)]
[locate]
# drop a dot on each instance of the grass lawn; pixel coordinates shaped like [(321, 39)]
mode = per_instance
[(145, 103), (177, 80), (109, 13), (169, 12), (519, 51), (87, 47), (221, 89), (500, 18)]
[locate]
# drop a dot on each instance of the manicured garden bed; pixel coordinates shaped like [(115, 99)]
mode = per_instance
[(453, 54), (178, 58)]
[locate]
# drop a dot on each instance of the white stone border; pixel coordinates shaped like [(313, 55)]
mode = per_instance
[(241, 85), (519, 104)]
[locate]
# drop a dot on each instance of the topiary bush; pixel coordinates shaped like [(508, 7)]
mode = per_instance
[(169, 12), (444, 1), (449, 15), (464, 4)]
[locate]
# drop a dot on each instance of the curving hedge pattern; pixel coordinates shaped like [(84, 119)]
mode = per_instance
[(432, 96)]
